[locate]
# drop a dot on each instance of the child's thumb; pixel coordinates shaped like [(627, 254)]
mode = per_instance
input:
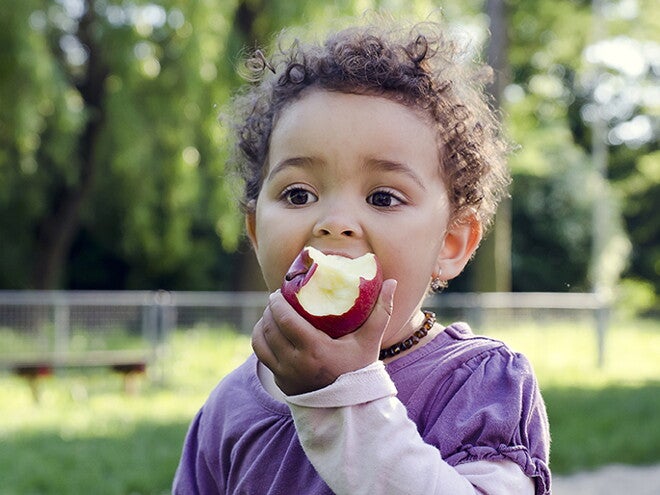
[(375, 326)]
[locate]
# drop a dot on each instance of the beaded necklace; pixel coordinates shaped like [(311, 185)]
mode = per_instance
[(406, 344)]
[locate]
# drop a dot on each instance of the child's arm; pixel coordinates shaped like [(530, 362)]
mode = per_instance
[(360, 440), (352, 427)]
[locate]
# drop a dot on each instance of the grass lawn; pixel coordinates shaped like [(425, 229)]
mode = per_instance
[(86, 436)]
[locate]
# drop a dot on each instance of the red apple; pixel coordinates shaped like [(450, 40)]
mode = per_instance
[(334, 293)]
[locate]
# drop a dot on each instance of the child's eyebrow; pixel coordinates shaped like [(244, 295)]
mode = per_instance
[(375, 164), (296, 161), (393, 166)]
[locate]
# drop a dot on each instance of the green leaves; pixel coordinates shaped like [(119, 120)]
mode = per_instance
[(146, 154)]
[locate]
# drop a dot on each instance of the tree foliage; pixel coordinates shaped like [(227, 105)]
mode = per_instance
[(574, 68), (112, 162), (112, 153)]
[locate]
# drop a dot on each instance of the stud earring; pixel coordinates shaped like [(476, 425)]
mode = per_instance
[(437, 284)]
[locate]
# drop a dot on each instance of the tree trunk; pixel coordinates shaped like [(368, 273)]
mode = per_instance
[(492, 268), (58, 230), (245, 17)]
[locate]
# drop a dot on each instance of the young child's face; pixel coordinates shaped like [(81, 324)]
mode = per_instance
[(350, 174)]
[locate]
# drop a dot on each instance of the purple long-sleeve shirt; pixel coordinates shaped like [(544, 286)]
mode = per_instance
[(470, 397)]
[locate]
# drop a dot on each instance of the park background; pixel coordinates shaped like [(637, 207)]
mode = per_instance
[(113, 177)]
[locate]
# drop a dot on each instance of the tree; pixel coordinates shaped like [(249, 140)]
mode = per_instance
[(493, 259), (112, 162), (112, 144)]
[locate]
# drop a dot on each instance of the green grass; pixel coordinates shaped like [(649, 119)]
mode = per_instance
[(86, 436), (13, 343)]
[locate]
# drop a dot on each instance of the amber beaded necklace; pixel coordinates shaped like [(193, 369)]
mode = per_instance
[(404, 345)]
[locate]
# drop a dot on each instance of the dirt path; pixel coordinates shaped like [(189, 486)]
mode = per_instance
[(610, 480)]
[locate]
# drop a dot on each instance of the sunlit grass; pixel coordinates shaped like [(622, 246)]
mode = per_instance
[(88, 436), (80, 339), (566, 354), (76, 403)]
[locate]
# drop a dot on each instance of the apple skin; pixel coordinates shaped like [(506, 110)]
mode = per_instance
[(304, 268)]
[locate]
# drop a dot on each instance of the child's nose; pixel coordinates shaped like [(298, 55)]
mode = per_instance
[(338, 221)]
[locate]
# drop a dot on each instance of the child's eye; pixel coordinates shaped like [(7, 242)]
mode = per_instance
[(383, 199), (298, 196)]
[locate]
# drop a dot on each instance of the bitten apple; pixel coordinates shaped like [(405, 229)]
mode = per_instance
[(334, 293)]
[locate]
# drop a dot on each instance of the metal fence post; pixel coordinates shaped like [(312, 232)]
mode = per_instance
[(602, 323), (62, 332), (150, 321)]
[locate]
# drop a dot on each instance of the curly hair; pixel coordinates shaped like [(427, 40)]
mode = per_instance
[(417, 67)]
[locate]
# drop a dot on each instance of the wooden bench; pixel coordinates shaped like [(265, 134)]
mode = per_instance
[(130, 364)]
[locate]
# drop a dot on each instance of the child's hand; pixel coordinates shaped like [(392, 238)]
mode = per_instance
[(303, 358)]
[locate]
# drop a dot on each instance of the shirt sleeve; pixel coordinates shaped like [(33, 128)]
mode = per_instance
[(497, 477), (495, 413), (359, 438)]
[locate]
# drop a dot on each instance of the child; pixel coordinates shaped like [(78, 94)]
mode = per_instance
[(378, 140)]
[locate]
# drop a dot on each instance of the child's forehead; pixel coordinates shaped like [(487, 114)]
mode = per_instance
[(321, 103), (364, 130), (352, 116)]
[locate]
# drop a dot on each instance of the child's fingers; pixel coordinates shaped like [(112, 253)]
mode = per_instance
[(261, 347), (294, 346), (275, 330), (272, 345), (298, 331)]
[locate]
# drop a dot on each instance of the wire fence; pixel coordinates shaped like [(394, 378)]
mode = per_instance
[(65, 323)]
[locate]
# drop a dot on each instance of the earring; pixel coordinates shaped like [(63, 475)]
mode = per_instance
[(437, 284)]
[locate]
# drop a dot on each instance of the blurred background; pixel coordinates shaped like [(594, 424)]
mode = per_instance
[(112, 158), (121, 243)]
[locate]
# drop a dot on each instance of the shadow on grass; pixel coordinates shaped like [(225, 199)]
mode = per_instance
[(595, 427), (140, 463)]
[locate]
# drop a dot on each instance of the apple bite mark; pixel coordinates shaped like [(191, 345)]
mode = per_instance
[(337, 286), (334, 293)]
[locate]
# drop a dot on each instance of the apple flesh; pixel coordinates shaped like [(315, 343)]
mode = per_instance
[(334, 293)]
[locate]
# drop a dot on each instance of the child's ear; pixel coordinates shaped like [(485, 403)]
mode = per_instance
[(461, 241), (251, 223)]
